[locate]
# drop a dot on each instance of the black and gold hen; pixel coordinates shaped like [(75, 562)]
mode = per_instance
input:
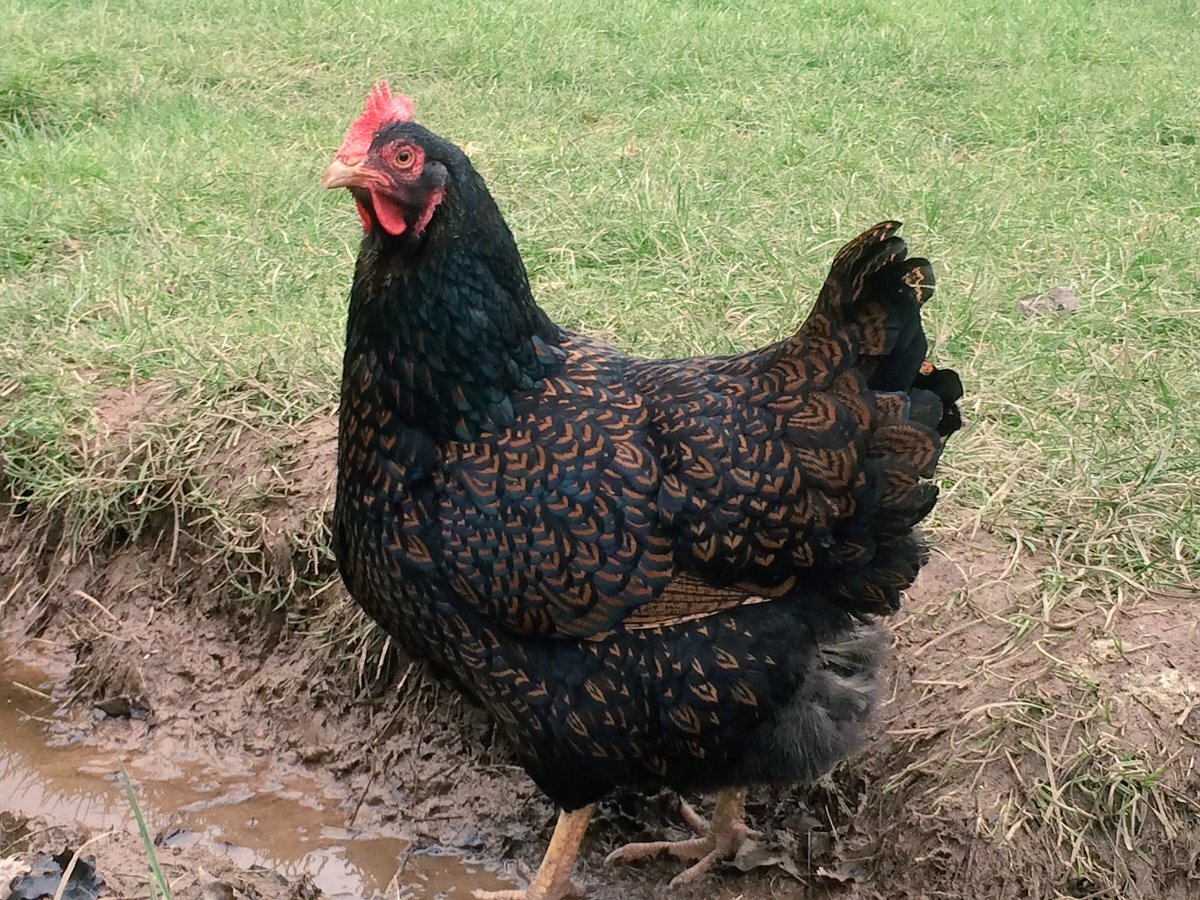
[(650, 572)]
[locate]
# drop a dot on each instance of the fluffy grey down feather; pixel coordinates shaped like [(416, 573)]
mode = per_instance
[(826, 719)]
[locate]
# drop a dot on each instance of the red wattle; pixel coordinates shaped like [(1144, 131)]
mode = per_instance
[(389, 213)]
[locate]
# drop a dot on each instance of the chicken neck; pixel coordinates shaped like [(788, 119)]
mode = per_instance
[(443, 330)]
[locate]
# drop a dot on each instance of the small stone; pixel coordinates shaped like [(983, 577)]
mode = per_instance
[(115, 707), (1059, 299)]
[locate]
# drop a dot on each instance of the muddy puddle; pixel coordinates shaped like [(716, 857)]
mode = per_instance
[(284, 822)]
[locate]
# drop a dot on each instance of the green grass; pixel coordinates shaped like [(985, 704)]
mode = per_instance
[(678, 176), (158, 885)]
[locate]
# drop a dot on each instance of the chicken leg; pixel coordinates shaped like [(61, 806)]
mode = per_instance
[(718, 841), (553, 878)]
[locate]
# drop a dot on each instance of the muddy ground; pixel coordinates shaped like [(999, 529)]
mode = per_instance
[(281, 754)]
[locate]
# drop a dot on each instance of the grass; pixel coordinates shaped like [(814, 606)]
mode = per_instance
[(678, 176), (158, 885), (161, 219)]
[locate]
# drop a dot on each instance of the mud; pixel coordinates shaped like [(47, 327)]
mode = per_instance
[(291, 752), (216, 815)]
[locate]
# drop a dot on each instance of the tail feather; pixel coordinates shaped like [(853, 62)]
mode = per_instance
[(873, 296), (865, 332), (946, 387)]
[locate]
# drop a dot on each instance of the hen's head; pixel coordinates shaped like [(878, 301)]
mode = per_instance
[(396, 170)]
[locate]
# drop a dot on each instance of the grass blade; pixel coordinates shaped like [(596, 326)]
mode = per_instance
[(160, 881)]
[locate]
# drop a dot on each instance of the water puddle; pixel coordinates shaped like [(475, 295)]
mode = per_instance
[(287, 824)]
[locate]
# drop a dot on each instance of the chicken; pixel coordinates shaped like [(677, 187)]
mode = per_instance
[(648, 572)]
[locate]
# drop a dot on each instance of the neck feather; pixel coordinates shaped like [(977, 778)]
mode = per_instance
[(442, 331)]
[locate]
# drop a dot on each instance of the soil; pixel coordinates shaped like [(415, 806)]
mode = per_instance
[(269, 766)]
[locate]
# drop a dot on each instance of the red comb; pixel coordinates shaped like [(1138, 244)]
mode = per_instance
[(383, 107)]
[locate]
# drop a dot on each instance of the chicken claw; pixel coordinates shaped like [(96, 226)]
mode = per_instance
[(718, 841)]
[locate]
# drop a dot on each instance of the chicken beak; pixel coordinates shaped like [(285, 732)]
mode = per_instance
[(340, 174)]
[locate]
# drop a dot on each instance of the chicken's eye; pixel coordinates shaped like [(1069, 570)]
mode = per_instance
[(404, 157)]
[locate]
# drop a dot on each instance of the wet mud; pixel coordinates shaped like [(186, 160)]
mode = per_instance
[(262, 817)]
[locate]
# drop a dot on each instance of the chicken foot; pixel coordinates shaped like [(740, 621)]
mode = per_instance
[(717, 841), (553, 878)]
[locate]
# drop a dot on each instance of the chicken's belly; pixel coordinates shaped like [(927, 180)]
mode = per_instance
[(748, 697)]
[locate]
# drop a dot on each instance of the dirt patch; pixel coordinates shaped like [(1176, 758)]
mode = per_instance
[(1036, 750), (121, 413), (1025, 751)]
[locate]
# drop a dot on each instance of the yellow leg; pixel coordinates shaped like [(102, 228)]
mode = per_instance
[(719, 840), (553, 878)]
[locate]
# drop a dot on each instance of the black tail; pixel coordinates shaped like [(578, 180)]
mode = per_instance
[(874, 294), (947, 387)]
